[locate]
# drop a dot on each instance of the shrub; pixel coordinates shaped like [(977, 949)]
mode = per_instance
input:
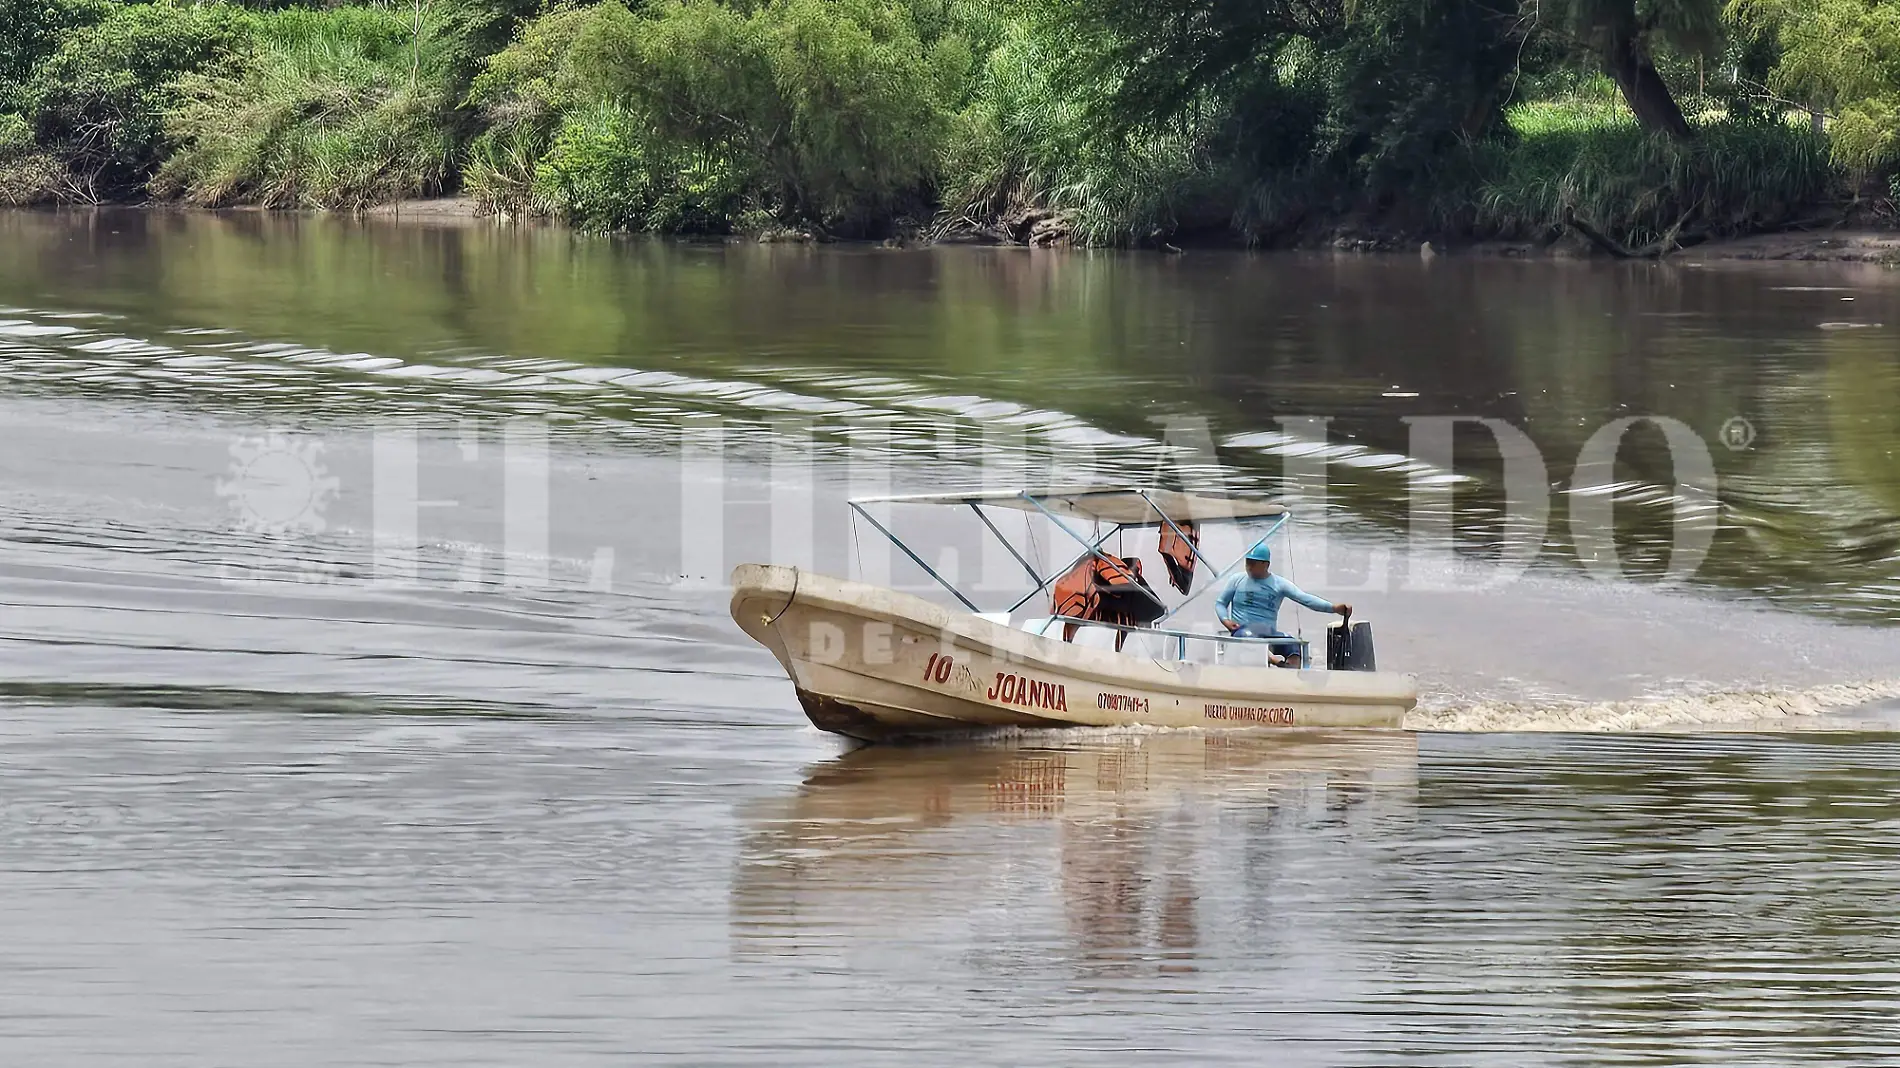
[(16, 135), (33, 30), (595, 174), (333, 109), (860, 97), (1842, 56), (102, 92), (563, 61), (477, 29), (827, 111), (603, 173), (28, 174)]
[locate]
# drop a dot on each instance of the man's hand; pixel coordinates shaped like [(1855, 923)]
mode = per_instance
[(1230, 625), (1343, 609)]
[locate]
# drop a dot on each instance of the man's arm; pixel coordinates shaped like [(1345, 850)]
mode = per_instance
[(1300, 596), (1224, 604)]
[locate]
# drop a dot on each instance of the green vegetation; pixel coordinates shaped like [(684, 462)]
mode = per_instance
[(1642, 124), (99, 100), (679, 119), (1838, 58), (329, 109), (1728, 178)]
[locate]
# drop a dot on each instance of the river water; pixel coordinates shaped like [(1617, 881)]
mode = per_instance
[(368, 695)]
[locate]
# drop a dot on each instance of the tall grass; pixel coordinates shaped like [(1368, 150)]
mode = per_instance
[(329, 109), (1595, 161), (498, 170), (1004, 151)]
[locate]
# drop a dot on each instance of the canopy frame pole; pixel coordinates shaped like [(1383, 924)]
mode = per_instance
[(1093, 549), (1020, 558), (1182, 636), (918, 560), (1192, 543), (1271, 531), (1090, 549)]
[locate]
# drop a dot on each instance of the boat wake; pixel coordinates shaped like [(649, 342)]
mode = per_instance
[(1836, 707)]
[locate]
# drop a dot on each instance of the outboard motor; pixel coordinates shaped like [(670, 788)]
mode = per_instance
[(1349, 646)]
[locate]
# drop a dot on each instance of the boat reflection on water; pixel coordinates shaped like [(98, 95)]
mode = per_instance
[(1111, 851)]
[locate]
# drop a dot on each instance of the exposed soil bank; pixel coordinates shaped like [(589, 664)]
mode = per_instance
[(1825, 246), (1832, 245)]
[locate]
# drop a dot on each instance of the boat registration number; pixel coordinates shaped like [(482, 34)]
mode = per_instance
[(938, 668)]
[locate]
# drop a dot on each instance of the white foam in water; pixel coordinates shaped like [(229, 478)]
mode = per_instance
[(1277, 443), (22, 328), (1781, 709)]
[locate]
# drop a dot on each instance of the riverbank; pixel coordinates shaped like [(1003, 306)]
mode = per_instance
[(902, 121), (1834, 245), (1845, 245), (1816, 246)]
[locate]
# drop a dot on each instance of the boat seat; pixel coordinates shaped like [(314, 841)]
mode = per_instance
[(1243, 655), (1095, 638), (1001, 619), (1150, 646), (1202, 652), (1155, 646), (1044, 625)]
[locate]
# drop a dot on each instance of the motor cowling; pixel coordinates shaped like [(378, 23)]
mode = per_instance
[(1349, 646)]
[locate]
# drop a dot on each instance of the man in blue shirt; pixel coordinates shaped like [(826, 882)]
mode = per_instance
[(1248, 604)]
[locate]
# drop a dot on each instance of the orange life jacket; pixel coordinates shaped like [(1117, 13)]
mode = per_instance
[(1177, 552), (1105, 589)]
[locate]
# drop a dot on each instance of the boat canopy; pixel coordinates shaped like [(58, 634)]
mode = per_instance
[(1119, 507), (1122, 505)]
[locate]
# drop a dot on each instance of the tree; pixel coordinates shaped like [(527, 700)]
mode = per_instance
[(1160, 54), (1412, 80), (1840, 58), (1156, 56), (1399, 80), (1622, 35)]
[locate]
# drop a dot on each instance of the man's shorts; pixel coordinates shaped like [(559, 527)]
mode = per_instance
[(1290, 647)]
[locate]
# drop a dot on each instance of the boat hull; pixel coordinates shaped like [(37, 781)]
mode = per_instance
[(874, 664)]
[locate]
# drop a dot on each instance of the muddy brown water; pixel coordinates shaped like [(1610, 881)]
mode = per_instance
[(372, 772)]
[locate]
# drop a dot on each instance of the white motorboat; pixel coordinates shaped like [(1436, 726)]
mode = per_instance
[(875, 663)]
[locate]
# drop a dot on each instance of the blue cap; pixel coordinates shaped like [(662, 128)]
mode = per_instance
[(1261, 553)]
